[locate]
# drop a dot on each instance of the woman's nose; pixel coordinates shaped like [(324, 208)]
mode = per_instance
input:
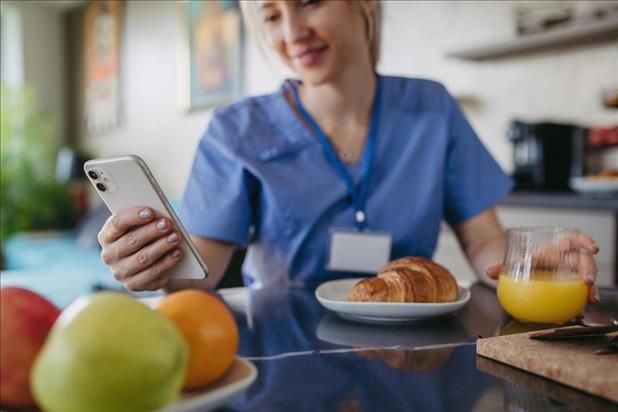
[(294, 28)]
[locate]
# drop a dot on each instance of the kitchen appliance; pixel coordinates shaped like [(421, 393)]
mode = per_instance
[(602, 152), (546, 155)]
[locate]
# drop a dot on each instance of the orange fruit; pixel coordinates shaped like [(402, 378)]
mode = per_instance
[(209, 329)]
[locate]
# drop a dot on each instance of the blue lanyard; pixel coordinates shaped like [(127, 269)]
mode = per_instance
[(358, 194)]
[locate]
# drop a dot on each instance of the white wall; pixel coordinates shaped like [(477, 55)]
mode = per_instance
[(42, 57), (155, 126), (561, 86)]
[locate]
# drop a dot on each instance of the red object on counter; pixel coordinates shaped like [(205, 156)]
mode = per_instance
[(603, 136), (26, 319)]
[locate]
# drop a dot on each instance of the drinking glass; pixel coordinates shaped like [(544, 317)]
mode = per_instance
[(540, 282)]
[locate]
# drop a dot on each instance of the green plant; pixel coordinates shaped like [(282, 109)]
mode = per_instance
[(30, 197)]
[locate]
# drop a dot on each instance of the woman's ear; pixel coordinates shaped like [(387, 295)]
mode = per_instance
[(368, 8), (369, 5)]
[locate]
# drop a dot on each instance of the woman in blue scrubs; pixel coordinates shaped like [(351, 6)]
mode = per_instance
[(339, 153)]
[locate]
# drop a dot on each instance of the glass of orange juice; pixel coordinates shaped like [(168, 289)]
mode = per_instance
[(541, 282)]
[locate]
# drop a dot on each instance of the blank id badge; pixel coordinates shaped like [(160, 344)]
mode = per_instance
[(358, 251)]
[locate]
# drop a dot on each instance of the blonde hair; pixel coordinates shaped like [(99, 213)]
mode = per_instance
[(373, 24)]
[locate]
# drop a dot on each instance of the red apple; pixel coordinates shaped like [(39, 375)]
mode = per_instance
[(25, 320)]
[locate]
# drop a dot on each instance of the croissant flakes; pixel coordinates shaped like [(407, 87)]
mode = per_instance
[(409, 279)]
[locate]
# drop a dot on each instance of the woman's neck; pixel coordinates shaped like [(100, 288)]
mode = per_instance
[(345, 102)]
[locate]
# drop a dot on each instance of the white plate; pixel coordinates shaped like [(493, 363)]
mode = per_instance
[(333, 295), (241, 374), (594, 186)]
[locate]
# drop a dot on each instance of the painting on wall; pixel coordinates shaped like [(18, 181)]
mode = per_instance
[(103, 21), (212, 62)]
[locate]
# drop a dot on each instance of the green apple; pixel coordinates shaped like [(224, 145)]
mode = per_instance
[(109, 353)]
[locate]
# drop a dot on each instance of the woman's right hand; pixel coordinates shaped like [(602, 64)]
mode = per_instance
[(139, 248)]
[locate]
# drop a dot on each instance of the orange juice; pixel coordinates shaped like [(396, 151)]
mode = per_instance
[(544, 298)]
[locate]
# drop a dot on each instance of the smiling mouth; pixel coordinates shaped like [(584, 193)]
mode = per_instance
[(310, 57)]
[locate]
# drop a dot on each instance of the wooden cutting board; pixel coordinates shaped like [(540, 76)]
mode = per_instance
[(570, 362), (525, 391)]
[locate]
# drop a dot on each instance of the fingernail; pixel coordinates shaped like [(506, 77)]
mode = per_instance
[(590, 277), (161, 224), (176, 253), (172, 238), (145, 214)]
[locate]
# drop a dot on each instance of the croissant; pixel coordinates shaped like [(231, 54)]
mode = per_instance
[(409, 279), (410, 360)]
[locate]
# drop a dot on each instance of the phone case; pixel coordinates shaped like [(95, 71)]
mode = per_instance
[(125, 182)]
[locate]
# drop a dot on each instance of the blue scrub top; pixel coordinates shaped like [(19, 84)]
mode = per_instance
[(261, 178)]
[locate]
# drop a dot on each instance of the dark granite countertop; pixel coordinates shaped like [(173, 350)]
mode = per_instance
[(309, 359), (561, 200)]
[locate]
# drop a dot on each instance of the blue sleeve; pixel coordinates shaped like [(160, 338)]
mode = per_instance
[(217, 199), (474, 181)]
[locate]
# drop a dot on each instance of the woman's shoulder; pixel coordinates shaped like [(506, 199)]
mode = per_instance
[(256, 127), (249, 116), (251, 102), (252, 109), (416, 94)]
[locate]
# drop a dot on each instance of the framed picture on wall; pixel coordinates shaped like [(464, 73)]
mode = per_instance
[(213, 52), (103, 20)]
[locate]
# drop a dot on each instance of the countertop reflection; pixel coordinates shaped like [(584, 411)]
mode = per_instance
[(310, 359)]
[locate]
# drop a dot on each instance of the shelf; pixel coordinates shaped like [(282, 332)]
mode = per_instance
[(560, 37)]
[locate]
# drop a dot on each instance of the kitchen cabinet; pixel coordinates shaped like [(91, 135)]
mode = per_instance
[(600, 223)]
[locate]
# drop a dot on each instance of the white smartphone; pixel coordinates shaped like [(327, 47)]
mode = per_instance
[(125, 182)]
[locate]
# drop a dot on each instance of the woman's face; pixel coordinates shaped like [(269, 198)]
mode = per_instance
[(317, 39)]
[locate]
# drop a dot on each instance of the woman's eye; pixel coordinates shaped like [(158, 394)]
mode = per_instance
[(270, 18), (309, 2)]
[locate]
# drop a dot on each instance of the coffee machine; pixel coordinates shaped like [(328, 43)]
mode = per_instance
[(546, 155)]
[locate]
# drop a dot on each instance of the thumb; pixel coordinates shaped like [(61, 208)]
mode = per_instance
[(494, 271)]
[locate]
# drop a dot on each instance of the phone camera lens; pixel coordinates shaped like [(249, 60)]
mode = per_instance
[(93, 174), (101, 187)]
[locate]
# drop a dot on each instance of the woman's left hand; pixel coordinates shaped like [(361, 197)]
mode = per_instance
[(581, 247)]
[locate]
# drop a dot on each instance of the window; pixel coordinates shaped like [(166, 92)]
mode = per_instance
[(12, 57)]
